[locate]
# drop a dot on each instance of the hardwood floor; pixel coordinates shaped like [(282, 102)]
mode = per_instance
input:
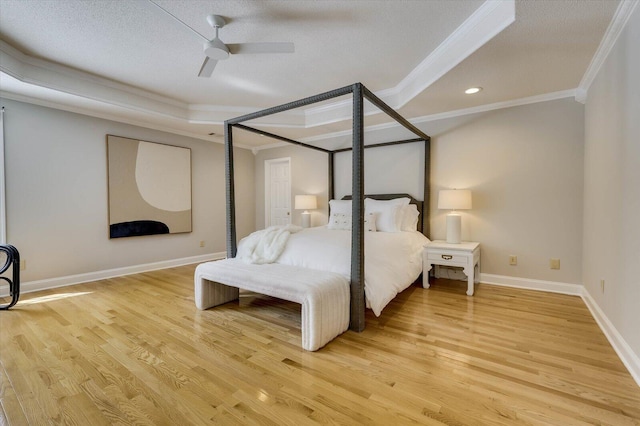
[(134, 350)]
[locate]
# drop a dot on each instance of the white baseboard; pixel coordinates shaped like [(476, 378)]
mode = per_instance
[(531, 284), (30, 286), (622, 348)]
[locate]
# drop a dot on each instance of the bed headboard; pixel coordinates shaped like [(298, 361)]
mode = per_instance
[(391, 197)]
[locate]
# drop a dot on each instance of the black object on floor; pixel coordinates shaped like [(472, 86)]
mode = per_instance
[(13, 259)]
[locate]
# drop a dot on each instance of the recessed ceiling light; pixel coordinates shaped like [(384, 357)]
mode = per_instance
[(472, 90)]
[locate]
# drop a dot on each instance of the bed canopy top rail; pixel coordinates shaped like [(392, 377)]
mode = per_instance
[(377, 145), (278, 137), (294, 104), (359, 93), (393, 114)]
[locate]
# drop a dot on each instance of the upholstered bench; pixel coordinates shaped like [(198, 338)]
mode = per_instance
[(324, 296)]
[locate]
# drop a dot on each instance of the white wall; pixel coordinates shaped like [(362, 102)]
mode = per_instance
[(57, 194), (309, 175), (611, 249), (387, 170), (523, 164)]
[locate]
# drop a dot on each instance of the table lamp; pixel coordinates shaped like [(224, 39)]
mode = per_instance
[(306, 203), (454, 199)]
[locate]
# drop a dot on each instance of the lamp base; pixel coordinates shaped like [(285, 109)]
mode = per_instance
[(306, 219), (454, 222)]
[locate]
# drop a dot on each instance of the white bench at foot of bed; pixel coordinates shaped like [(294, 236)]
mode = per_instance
[(324, 296)]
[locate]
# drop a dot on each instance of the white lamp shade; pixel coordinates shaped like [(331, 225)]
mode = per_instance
[(306, 202), (454, 199)]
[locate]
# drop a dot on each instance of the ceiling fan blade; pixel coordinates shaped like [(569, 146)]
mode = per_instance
[(267, 47), (207, 67)]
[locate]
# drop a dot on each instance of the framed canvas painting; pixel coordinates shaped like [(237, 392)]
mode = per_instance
[(149, 188)]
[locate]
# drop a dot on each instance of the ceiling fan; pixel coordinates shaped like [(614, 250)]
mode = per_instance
[(216, 50)]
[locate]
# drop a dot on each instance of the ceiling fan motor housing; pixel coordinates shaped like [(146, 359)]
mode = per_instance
[(216, 49)]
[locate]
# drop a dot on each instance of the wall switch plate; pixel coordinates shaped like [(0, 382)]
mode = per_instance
[(554, 263), (23, 264), (513, 259), (202, 243)]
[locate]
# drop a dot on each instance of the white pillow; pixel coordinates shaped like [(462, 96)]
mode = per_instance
[(389, 213), (370, 222), (342, 221), (410, 216), (340, 206)]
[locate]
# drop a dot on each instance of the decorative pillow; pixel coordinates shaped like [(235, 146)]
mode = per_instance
[(339, 206), (389, 213), (370, 222), (342, 221), (410, 217)]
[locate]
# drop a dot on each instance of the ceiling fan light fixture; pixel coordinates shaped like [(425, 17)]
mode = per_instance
[(472, 90), (216, 49)]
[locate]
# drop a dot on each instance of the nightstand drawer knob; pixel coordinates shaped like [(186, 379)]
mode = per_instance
[(447, 257)]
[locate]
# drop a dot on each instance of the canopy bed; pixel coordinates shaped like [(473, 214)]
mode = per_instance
[(356, 282)]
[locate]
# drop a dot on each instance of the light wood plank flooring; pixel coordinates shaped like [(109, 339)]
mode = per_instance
[(134, 350)]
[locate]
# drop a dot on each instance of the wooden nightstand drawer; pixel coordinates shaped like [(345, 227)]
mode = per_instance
[(449, 257)]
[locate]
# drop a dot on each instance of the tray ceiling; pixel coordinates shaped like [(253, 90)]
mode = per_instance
[(131, 62)]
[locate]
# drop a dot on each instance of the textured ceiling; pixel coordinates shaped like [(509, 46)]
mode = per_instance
[(128, 60)]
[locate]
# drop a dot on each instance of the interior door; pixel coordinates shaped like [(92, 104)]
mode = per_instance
[(278, 192)]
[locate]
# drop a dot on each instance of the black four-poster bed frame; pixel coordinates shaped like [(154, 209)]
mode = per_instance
[(360, 92)]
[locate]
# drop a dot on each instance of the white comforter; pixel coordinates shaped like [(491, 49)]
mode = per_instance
[(393, 260)]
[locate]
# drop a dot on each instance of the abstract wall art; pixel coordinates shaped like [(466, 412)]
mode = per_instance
[(149, 188)]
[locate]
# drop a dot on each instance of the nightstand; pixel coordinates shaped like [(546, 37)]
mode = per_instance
[(465, 255)]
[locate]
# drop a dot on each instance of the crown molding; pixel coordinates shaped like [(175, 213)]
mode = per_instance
[(113, 117), (498, 105), (484, 24), (440, 116), (216, 114), (38, 72), (487, 21), (617, 24)]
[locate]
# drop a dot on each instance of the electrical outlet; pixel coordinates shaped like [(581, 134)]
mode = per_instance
[(513, 259), (23, 264), (602, 285), (202, 243), (554, 263)]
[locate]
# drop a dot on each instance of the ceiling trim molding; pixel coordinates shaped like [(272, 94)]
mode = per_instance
[(485, 23), (617, 24), (440, 116), (481, 26), (38, 72), (112, 117), (216, 114), (499, 105)]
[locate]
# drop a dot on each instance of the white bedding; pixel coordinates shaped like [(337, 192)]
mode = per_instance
[(393, 260), (266, 245)]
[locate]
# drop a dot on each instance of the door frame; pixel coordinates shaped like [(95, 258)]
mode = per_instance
[(267, 187)]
